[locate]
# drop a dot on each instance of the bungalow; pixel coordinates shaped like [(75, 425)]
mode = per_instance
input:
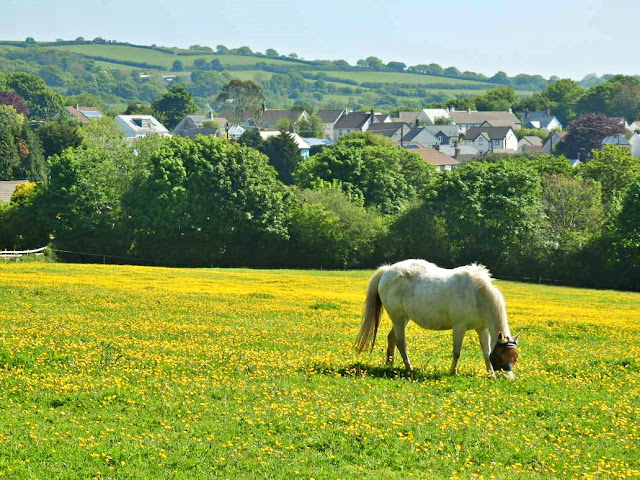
[(554, 139), (485, 139), (541, 120), (530, 143), (270, 118), (302, 145), (329, 118), (394, 130), (357, 122), (139, 126), (82, 114), (433, 157), (7, 187), (619, 140), (189, 125), (469, 119), (430, 116), (421, 135), (446, 134), (463, 153)]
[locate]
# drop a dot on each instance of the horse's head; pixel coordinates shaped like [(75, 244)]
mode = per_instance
[(505, 354)]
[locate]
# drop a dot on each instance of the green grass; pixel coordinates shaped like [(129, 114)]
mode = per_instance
[(116, 372), (397, 77)]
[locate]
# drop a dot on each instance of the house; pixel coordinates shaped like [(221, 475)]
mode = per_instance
[(139, 126), (446, 134), (635, 126), (394, 130), (270, 118), (7, 187), (357, 122), (469, 119), (429, 116), (432, 156), (485, 139), (317, 144), (543, 120), (329, 118), (421, 135), (82, 114), (462, 153), (530, 143), (407, 117), (302, 145), (619, 140), (234, 131), (634, 141), (554, 139), (189, 125)]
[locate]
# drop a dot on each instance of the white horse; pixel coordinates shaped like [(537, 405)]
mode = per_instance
[(435, 298)]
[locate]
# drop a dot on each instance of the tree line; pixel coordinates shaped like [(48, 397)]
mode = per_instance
[(363, 202)]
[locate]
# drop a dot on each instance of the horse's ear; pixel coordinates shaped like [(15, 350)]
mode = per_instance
[(502, 338), (515, 339)]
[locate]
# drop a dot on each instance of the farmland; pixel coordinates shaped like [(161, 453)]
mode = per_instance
[(132, 372)]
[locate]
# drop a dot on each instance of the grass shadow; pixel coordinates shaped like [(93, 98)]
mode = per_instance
[(356, 370)]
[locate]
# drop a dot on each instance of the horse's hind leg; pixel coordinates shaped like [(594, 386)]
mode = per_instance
[(391, 347), (458, 337), (399, 327)]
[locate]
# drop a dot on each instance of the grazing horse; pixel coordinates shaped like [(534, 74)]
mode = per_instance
[(435, 298)]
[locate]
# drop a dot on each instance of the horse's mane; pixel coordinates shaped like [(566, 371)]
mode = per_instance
[(489, 296)]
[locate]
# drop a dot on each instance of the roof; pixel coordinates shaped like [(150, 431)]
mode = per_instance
[(463, 151), (542, 119), (616, 140), (330, 116), (358, 119), (431, 155), (388, 128), (533, 140), (492, 133), (434, 113), (318, 142), (271, 117), (142, 125), (302, 145), (495, 119), (448, 130), (83, 114), (192, 132), (7, 187), (414, 132), (408, 117)]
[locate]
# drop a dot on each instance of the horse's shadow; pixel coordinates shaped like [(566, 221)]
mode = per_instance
[(358, 370)]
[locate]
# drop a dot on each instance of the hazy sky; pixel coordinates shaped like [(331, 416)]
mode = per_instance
[(568, 38)]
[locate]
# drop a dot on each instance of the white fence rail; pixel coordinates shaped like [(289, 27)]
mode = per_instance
[(19, 253)]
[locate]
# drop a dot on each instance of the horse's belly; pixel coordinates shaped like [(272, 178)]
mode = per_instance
[(437, 321)]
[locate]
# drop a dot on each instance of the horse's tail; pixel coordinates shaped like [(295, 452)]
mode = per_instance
[(371, 314)]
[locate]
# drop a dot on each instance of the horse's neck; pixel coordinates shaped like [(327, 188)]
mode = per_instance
[(496, 314)]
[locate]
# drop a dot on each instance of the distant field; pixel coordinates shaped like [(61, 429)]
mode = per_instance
[(119, 372), (153, 57), (396, 77)]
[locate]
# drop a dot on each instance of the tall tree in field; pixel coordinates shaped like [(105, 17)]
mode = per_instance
[(284, 155), (175, 105), (242, 99), (585, 134), (41, 100), (310, 126), (617, 97)]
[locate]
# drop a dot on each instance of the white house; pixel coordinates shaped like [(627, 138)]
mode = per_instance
[(429, 116), (302, 144), (541, 120), (140, 126), (329, 118), (530, 143), (357, 122), (422, 136), (634, 141), (554, 139), (486, 139), (468, 119)]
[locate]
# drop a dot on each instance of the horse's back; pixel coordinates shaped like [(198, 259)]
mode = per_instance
[(433, 297)]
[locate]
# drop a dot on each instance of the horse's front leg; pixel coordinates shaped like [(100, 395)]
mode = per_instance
[(485, 345), (391, 347), (458, 336)]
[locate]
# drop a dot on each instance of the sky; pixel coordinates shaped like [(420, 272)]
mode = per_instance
[(567, 38)]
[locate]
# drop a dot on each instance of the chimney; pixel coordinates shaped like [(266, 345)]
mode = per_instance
[(456, 153), (264, 107), (510, 110), (548, 111), (210, 114), (417, 123), (526, 113), (373, 117)]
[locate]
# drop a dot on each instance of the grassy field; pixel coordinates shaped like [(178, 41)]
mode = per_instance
[(410, 78), (112, 372)]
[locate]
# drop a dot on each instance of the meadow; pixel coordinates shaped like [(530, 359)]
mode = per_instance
[(120, 372)]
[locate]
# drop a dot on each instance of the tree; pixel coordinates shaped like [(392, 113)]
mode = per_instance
[(175, 104), (497, 99), (242, 98), (56, 135), (396, 66), (386, 177), (221, 49), (585, 134), (177, 66), (284, 155), (330, 230), (251, 138), (625, 254), (617, 97), (491, 213), (41, 100), (371, 63), (14, 100), (310, 126), (10, 126), (207, 202), (270, 52)]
